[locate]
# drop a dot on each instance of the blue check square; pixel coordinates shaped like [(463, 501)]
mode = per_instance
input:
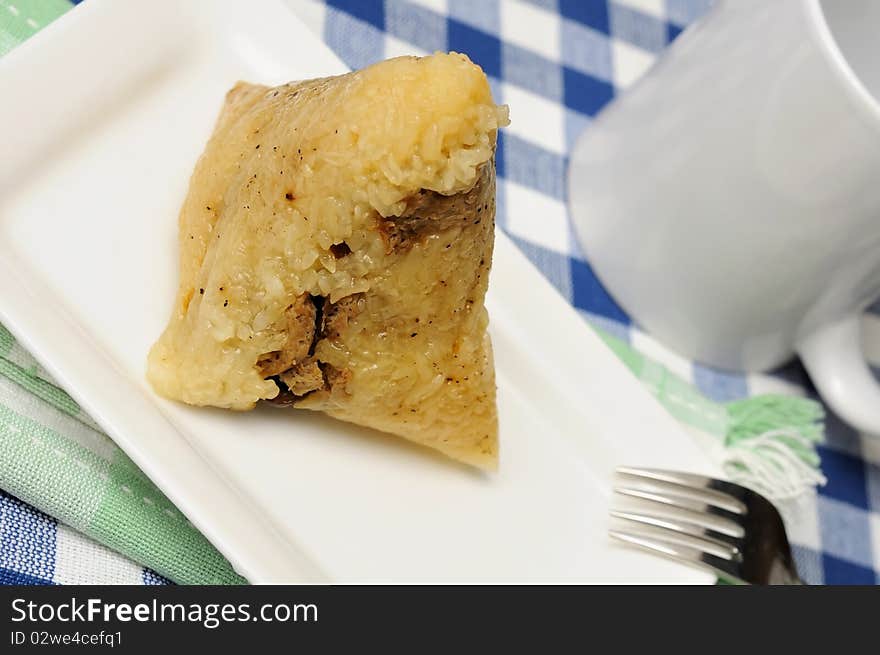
[(483, 49)]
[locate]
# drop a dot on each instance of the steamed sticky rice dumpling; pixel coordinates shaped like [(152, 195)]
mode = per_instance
[(335, 246)]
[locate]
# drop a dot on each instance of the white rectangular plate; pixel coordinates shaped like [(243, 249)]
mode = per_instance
[(102, 118)]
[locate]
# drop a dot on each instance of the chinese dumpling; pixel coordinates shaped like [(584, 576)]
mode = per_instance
[(335, 247)]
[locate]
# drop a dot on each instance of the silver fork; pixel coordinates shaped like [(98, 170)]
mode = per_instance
[(725, 527)]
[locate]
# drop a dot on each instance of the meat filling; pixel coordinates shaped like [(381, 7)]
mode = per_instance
[(301, 317), (294, 368), (428, 212)]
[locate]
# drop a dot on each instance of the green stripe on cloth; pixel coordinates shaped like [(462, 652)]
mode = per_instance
[(21, 19), (681, 399), (39, 387), (6, 341), (39, 463)]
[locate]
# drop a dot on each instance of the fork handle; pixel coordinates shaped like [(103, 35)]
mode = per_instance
[(783, 574)]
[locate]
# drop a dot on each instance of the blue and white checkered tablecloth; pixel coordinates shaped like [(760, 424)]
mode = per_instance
[(563, 60)]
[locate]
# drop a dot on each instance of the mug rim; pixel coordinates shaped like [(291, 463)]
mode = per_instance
[(841, 67)]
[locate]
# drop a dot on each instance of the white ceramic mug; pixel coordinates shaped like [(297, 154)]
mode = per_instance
[(730, 201)]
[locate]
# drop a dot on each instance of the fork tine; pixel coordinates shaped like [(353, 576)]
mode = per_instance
[(683, 527), (671, 537), (653, 496), (689, 479), (679, 553), (658, 492), (661, 507), (685, 485), (681, 533)]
